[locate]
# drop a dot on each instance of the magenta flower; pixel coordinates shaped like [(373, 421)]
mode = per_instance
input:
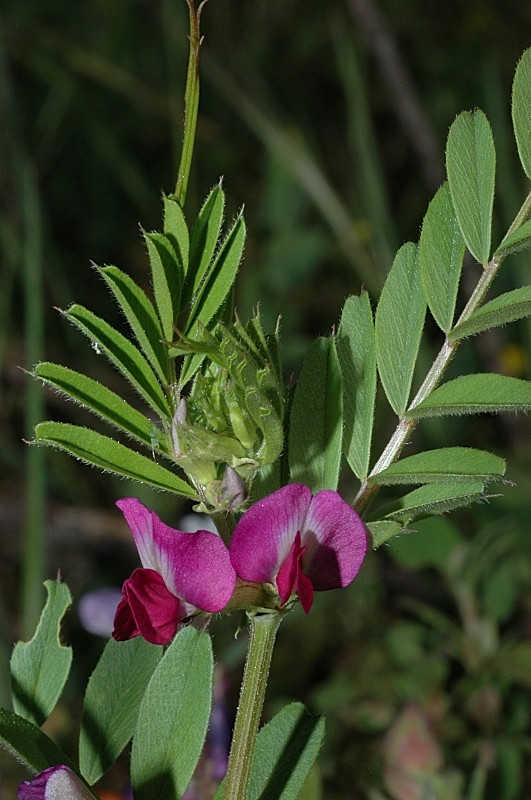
[(181, 573), (299, 542), (55, 783)]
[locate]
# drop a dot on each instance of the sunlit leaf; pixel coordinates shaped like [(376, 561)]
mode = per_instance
[(520, 239), (103, 452), (476, 394), (434, 498), (173, 718), (503, 309), (40, 667), (521, 104), (99, 399), (441, 250), (165, 272), (444, 464), (219, 279), (357, 358), (203, 240), (123, 354), (399, 322), (141, 316), (110, 709), (471, 167), (316, 419)]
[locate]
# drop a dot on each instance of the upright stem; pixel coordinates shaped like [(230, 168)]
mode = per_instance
[(191, 102), (263, 630)]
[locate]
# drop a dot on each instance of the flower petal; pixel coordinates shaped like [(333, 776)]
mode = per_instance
[(264, 535), (55, 783), (335, 541), (291, 578), (195, 567), (147, 609)]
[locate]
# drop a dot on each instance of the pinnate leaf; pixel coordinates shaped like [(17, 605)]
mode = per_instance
[(399, 323), (203, 241), (166, 275), (123, 354), (435, 498), (521, 105), (520, 239), (176, 231), (505, 308), (471, 167), (40, 667), (441, 250), (28, 744), (141, 316), (383, 531), (357, 358), (110, 709), (476, 394), (101, 451), (98, 398), (173, 718), (443, 464), (316, 419)]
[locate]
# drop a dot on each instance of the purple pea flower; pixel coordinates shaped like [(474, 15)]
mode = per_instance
[(181, 573), (55, 783), (300, 542)]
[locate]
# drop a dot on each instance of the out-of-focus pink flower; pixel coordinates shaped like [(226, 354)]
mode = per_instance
[(181, 573), (97, 608), (55, 783), (300, 542)]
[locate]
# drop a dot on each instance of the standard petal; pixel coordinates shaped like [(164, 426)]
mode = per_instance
[(195, 567), (264, 535), (55, 783), (335, 539), (147, 609)]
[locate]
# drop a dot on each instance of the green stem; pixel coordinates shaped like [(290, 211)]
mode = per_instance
[(263, 630), (191, 102)]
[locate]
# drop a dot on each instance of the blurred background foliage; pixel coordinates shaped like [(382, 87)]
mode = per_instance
[(328, 121)]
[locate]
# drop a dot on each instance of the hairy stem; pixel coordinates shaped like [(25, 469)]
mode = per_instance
[(263, 630)]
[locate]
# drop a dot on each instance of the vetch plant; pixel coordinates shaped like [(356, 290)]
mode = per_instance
[(265, 463)]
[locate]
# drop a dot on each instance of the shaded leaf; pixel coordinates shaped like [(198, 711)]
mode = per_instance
[(399, 322), (141, 316), (40, 667), (521, 103), (475, 394), (357, 358), (316, 419), (28, 744), (173, 718), (110, 709), (434, 498), (471, 167), (441, 252), (101, 451), (505, 308), (285, 751), (176, 231), (443, 464), (102, 401), (123, 354)]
